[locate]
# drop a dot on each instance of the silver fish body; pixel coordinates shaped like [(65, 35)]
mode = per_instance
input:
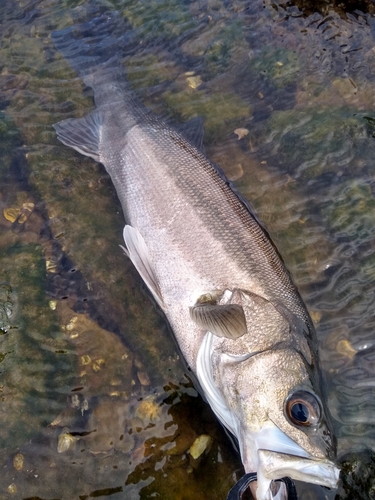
[(237, 317)]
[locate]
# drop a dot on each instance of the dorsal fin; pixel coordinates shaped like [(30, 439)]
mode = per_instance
[(137, 251)]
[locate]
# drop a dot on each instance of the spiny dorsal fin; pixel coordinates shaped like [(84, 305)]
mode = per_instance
[(226, 320), (137, 252)]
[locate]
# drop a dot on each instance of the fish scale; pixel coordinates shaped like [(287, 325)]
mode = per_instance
[(183, 174), (221, 255)]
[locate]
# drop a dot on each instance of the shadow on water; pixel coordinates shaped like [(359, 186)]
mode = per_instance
[(95, 399)]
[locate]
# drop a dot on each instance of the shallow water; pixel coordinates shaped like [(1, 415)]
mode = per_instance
[(96, 401)]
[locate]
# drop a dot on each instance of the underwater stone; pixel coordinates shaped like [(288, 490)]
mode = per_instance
[(29, 366), (18, 461), (201, 445), (66, 441)]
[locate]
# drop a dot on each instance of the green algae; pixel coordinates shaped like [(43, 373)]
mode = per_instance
[(281, 67), (350, 216), (158, 18), (219, 110), (315, 141), (333, 94), (71, 186), (222, 47), (10, 140), (146, 71), (30, 372), (352, 211)]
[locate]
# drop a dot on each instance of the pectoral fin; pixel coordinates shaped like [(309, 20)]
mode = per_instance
[(226, 320), (138, 253)]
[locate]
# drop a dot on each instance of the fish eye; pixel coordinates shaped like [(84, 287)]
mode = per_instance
[(302, 408)]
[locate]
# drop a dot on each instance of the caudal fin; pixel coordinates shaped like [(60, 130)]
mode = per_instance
[(96, 45)]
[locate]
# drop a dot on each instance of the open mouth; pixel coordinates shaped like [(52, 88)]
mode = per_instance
[(275, 465), (277, 456), (273, 480), (317, 471)]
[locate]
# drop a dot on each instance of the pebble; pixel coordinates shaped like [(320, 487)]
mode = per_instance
[(344, 347), (12, 488), (201, 445), (143, 377), (18, 461), (241, 132), (66, 441)]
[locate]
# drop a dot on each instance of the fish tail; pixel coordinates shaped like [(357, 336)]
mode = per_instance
[(95, 48)]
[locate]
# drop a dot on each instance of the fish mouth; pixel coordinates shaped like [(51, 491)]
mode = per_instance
[(284, 458), (275, 465)]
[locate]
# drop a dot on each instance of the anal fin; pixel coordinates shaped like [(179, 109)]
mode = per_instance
[(137, 251)]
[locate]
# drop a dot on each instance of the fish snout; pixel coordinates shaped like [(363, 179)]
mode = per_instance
[(274, 465)]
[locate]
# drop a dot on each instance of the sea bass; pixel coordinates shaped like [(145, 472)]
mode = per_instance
[(238, 319)]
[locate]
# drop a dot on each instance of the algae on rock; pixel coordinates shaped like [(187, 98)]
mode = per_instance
[(36, 361), (281, 67), (218, 109), (311, 142)]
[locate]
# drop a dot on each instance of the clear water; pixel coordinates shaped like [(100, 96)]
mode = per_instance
[(95, 401)]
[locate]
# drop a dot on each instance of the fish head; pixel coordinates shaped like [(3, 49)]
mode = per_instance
[(261, 378), (281, 423)]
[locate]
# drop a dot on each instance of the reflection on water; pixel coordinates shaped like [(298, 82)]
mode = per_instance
[(94, 397)]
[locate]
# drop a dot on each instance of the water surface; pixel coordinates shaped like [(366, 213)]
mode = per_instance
[(95, 400)]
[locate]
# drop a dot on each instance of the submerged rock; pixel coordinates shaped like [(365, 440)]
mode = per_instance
[(102, 358), (280, 66), (31, 349), (358, 480), (218, 109), (8, 307), (18, 461), (66, 441), (201, 445), (107, 428)]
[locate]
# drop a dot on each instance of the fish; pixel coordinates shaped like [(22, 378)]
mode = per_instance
[(211, 267)]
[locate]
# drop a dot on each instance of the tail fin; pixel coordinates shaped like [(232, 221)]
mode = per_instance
[(97, 44), (95, 50)]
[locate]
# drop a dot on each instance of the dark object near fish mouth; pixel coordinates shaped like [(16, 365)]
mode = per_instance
[(341, 7), (240, 487)]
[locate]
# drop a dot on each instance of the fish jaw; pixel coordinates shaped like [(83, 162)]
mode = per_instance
[(273, 455), (273, 465)]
